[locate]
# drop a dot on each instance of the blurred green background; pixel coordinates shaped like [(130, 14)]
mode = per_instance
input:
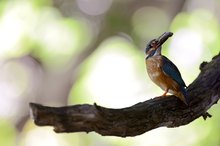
[(65, 52)]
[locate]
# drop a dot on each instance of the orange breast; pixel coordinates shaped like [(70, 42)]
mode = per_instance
[(156, 74)]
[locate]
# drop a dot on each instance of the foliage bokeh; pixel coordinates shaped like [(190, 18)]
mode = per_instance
[(64, 52)]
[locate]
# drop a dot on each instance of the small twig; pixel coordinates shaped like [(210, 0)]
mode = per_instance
[(206, 115)]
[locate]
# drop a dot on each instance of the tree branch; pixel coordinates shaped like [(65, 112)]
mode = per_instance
[(141, 117)]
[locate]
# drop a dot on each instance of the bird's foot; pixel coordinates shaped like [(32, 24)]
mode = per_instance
[(165, 94), (162, 96)]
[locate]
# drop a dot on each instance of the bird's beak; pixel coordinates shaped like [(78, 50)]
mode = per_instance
[(160, 40)]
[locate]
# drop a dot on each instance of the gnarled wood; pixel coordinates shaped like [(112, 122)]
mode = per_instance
[(141, 117)]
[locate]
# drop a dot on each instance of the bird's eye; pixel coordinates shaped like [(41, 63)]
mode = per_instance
[(152, 44)]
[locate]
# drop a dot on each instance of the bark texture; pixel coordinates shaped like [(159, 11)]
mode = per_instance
[(169, 111)]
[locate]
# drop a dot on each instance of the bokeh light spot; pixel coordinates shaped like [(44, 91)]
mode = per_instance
[(94, 7), (149, 22), (7, 133), (13, 83), (186, 47)]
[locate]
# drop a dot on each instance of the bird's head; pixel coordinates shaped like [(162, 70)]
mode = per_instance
[(154, 46)]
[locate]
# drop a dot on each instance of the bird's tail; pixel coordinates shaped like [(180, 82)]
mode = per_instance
[(183, 95)]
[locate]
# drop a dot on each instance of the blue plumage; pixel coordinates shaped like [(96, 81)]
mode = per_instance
[(172, 71)]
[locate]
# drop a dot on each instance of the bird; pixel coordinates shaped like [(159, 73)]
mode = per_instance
[(164, 72)]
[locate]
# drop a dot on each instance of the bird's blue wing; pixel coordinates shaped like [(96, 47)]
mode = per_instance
[(172, 71)]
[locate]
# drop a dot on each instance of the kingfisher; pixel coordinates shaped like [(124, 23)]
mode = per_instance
[(162, 71)]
